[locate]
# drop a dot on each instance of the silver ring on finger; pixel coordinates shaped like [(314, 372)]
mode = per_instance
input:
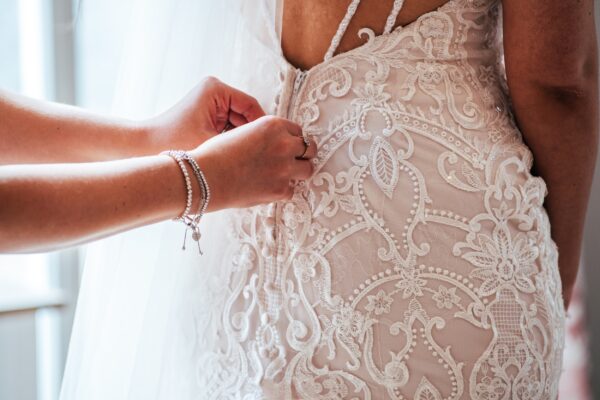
[(306, 146)]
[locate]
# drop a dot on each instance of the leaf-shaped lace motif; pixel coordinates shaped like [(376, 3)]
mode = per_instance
[(384, 165), (426, 391), (472, 178), (349, 204)]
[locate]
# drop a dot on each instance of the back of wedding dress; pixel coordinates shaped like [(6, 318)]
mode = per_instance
[(417, 263)]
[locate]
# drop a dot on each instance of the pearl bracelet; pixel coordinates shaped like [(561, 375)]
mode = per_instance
[(178, 157), (192, 222), (201, 182)]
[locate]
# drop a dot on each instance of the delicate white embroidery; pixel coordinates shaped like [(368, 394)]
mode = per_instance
[(410, 283), (417, 263), (445, 298), (500, 260), (426, 391), (384, 165), (380, 303)]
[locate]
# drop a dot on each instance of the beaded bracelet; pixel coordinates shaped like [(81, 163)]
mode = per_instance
[(192, 222), (201, 182), (178, 157)]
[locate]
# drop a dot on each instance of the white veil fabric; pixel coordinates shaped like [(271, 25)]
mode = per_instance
[(141, 297)]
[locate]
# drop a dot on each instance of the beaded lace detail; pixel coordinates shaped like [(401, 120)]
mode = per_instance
[(342, 29), (389, 24), (417, 263)]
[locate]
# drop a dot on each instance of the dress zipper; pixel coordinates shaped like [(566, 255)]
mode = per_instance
[(298, 81)]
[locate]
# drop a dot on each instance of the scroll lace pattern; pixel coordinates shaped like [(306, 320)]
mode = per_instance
[(417, 263)]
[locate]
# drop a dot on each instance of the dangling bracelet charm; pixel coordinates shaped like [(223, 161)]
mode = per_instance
[(192, 222), (204, 199)]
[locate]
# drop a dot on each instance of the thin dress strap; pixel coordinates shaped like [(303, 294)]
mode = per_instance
[(389, 24), (335, 42)]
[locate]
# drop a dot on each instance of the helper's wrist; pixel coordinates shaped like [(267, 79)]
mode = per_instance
[(134, 139), (213, 171), (151, 136)]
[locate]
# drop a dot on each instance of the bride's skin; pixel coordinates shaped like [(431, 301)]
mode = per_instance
[(76, 176), (552, 70), (309, 25)]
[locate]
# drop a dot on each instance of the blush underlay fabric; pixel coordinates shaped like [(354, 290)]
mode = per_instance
[(416, 263)]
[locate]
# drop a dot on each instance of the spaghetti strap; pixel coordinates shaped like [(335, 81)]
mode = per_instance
[(391, 20), (335, 42), (389, 24)]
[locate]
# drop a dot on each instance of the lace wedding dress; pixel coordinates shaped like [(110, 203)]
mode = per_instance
[(417, 263)]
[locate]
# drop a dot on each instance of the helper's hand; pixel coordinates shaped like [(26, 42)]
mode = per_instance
[(255, 163), (203, 113)]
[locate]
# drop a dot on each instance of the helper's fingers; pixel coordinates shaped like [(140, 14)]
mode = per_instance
[(305, 149), (236, 119), (293, 128), (242, 104), (311, 151), (303, 169)]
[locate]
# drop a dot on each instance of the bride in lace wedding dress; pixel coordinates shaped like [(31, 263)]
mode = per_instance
[(417, 263)]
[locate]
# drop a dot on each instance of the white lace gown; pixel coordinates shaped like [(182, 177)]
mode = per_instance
[(417, 263)]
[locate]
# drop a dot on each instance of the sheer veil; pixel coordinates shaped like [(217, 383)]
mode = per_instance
[(144, 302)]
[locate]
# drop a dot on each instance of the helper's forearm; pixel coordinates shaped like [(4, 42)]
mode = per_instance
[(51, 206), (561, 128), (33, 131)]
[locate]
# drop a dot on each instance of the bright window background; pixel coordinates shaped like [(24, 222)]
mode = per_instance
[(64, 51), (99, 31), (9, 45)]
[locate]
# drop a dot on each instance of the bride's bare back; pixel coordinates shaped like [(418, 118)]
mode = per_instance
[(309, 25)]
